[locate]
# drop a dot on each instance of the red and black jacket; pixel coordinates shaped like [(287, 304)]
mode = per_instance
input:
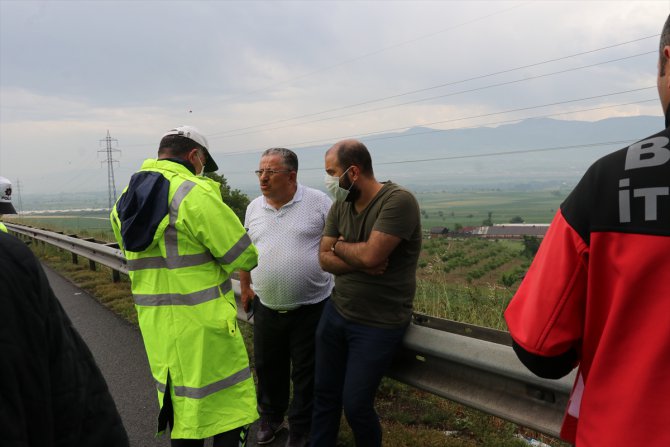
[(598, 294)]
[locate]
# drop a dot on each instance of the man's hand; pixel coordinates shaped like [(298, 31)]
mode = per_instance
[(247, 295), (378, 269)]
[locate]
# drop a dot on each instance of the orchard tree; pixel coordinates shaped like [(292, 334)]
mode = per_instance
[(234, 198), (530, 246), (488, 222)]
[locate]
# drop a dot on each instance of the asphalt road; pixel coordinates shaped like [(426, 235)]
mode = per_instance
[(118, 349)]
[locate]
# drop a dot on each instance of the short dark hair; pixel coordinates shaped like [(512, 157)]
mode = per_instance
[(353, 152), (177, 146), (288, 157), (665, 41)]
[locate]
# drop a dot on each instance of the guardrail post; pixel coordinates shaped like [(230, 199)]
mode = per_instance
[(75, 258), (116, 276), (91, 265)]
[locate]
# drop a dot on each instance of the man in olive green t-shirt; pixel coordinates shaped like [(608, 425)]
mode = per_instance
[(371, 243)]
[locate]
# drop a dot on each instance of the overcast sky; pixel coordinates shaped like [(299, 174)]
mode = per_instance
[(252, 75)]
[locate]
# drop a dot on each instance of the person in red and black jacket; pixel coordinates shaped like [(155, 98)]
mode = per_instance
[(597, 294), (51, 390)]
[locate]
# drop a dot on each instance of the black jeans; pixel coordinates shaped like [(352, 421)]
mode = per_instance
[(284, 353), (351, 359)]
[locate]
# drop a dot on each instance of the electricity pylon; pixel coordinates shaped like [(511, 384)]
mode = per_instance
[(108, 151)]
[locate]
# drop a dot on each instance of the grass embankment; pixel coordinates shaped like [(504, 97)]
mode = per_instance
[(466, 280)]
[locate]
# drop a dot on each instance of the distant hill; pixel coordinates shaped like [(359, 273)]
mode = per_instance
[(510, 156), (459, 158)]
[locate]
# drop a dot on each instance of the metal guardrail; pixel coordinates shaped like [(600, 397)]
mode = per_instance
[(471, 365)]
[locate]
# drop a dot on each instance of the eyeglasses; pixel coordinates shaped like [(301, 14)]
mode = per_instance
[(270, 172)]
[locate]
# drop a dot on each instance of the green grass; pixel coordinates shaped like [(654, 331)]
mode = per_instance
[(470, 208), (95, 225)]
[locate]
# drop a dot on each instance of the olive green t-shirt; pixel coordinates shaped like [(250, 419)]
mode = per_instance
[(384, 300)]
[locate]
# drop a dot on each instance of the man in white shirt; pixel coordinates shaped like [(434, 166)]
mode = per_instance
[(288, 293)]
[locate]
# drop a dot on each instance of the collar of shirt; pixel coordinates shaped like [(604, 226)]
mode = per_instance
[(297, 197), (168, 164)]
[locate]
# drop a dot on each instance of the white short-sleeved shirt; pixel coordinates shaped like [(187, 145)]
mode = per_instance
[(288, 274)]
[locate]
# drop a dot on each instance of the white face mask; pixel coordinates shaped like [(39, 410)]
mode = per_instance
[(202, 170), (333, 186)]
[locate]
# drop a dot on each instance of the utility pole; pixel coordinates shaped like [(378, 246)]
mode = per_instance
[(108, 151), (18, 191)]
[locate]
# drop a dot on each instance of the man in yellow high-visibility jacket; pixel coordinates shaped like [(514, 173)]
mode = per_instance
[(182, 243)]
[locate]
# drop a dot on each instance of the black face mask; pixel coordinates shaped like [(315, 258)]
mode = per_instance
[(354, 192), (667, 120)]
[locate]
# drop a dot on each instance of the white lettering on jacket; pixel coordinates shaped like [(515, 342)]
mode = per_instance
[(644, 154), (649, 195), (647, 153)]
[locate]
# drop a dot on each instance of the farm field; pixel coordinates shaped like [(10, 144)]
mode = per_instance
[(470, 208), (443, 208)]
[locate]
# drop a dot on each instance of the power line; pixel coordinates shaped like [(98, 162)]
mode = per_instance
[(388, 137), (447, 84), (85, 160), (375, 52), (498, 122), (482, 125), (495, 154), (338, 138), (214, 135), (416, 101)]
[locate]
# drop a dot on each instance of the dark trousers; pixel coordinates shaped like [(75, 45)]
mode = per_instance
[(236, 437), (351, 359), (284, 353)]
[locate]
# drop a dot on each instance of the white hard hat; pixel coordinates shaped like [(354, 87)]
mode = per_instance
[(194, 134), (6, 206)]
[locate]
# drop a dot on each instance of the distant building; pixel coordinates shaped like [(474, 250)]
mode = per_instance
[(511, 231), (438, 232)]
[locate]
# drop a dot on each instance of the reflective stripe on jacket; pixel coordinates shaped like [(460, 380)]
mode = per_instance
[(183, 295)]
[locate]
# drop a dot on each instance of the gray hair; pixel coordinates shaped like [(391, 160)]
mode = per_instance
[(289, 158)]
